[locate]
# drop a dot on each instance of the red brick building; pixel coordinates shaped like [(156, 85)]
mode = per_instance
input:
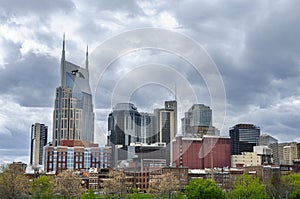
[(200, 153), (75, 155)]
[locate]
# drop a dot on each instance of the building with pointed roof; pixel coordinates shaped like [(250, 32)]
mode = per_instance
[(73, 116)]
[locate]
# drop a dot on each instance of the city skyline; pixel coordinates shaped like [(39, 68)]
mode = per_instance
[(254, 45)]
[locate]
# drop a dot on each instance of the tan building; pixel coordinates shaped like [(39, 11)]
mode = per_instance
[(246, 159), (290, 153)]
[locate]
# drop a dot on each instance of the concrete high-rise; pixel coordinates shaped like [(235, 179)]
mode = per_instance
[(166, 127), (290, 153), (73, 116), (272, 143), (39, 134), (243, 138)]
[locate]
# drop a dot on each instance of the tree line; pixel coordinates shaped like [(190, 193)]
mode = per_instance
[(14, 184)]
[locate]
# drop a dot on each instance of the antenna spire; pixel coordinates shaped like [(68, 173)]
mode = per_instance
[(87, 58), (62, 64), (63, 50)]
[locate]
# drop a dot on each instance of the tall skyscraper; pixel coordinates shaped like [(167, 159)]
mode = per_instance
[(73, 145), (73, 116), (123, 129), (243, 137), (147, 128), (130, 131), (166, 127), (198, 122), (272, 143), (39, 133)]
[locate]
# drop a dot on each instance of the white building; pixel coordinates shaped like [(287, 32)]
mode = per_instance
[(39, 134)]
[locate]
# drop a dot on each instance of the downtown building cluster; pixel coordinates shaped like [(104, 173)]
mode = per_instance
[(144, 143), (72, 146)]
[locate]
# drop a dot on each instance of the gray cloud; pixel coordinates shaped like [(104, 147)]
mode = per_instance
[(254, 44), (35, 7), (30, 80)]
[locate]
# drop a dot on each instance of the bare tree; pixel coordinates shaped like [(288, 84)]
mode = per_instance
[(163, 185), (67, 184), (115, 184), (13, 183)]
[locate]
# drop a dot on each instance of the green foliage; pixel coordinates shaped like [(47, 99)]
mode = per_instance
[(276, 187), (139, 196), (89, 195), (200, 189), (248, 188), (40, 188), (292, 183)]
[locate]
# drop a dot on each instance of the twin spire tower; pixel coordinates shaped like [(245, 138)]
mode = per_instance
[(73, 116)]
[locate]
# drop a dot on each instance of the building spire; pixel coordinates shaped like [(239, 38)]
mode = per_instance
[(63, 50), (87, 58), (62, 64)]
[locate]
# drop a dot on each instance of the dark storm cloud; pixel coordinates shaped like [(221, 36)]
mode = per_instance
[(30, 79), (270, 55), (127, 64), (255, 45)]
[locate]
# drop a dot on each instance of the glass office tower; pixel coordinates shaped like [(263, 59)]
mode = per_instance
[(73, 116)]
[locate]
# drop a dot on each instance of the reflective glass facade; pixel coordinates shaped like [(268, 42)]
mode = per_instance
[(73, 116), (243, 137)]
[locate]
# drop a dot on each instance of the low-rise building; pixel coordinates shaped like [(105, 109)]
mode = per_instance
[(246, 159), (201, 153), (76, 157), (265, 153)]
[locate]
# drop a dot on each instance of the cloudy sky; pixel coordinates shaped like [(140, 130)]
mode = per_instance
[(255, 45)]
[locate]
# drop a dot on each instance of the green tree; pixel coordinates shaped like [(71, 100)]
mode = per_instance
[(248, 188), (204, 189), (41, 187), (276, 188), (89, 195), (292, 188), (13, 183)]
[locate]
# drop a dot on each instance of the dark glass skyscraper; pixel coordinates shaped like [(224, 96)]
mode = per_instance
[(73, 116), (243, 137), (123, 129), (197, 122), (131, 132)]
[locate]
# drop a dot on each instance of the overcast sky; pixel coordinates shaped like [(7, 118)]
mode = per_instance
[(255, 45)]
